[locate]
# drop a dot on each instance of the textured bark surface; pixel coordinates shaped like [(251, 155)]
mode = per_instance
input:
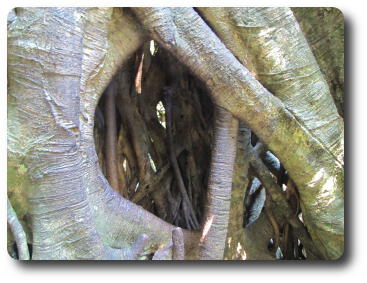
[(91, 95), (314, 162), (327, 44), (235, 236), (74, 198), (118, 221), (216, 217), (270, 42), (49, 86)]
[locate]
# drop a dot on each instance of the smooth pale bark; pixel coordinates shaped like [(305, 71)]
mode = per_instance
[(317, 171), (18, 233), (216, 215), (327, 43)]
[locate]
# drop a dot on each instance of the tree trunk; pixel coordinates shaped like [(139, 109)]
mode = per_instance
[(320, 175), (151, 134), (214, 231)]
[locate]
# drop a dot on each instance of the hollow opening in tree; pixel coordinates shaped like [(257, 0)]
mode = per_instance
[(153, 133)]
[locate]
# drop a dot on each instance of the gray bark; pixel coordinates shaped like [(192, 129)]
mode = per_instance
[(59, 66), (327, 44), (18, 233), (72, 206), (314, 163), (214, 230)]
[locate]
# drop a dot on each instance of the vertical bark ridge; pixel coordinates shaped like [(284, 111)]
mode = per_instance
[(216, 213), (235, 246)]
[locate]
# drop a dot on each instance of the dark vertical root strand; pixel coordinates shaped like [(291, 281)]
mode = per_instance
[(189, 213), (274, 224), (111, 137)]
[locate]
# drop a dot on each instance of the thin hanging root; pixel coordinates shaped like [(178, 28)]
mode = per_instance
[(111, 137), (274, 224), (138, 70), (188, 210), (272, 188), (178, 248), (18, 233), (286, 238), (143, 192), (291, 191), (175, 208)]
